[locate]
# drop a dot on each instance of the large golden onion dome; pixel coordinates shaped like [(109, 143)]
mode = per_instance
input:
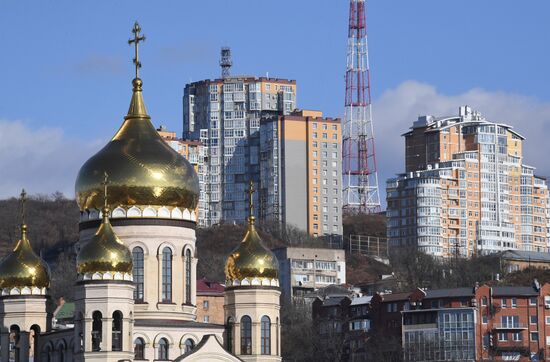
[(251, 258), (104, 252), (23, 268), (143, 169)]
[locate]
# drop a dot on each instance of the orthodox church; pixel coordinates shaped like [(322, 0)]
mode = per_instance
[(135, 295)]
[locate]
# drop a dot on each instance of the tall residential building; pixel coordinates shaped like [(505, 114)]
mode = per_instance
[(224, 114), (301, 169), (466, 190)]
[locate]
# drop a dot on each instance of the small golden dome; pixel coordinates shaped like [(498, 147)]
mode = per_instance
[(143, 169), (23, 268), (251, 259), (105, 252)]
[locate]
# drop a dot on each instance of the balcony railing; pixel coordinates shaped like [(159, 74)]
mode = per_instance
[(509, 326)]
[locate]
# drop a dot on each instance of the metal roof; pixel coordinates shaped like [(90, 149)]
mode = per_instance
[(449, 293), (514, 291)]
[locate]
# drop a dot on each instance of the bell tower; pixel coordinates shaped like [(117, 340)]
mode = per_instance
[(252, 298), (104, 296)]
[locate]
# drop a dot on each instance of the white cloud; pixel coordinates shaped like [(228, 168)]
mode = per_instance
[(396, 110), (41, 160)]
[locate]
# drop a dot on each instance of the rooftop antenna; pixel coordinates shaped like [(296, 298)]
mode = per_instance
[(226, 62)]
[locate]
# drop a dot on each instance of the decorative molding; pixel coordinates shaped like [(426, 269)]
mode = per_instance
[(105, 276), (24, 291), (265, 282), (139, 211)]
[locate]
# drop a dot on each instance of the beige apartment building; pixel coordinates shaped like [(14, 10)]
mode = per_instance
[(466, 190), (301, 172)]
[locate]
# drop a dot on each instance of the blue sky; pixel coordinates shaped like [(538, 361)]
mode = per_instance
[(66, 67)]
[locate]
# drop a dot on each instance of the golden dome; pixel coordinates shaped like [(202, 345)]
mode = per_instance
[(251, 259), (143, 169), (105, 252), (23, 268)]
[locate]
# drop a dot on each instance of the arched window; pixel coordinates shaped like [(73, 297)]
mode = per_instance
[(138, 272), (167, 275), (33, 337), (189, 345), (15, 334), (96, 330), (266, 335), (117, 330), (246, 335), (188, 276), (229, 335), (139, 348), (163, 349)]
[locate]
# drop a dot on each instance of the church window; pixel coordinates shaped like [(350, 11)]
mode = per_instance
[(266, 335), (117, 330), (188, 276), (189, 345), (163, 349), (97, 324), (246, 335), (138, 273), (139, 348), (167, 275), (229, 334)]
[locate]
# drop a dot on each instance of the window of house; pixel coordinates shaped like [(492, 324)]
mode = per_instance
[(533, 301), (139, 349), (534, 336), (533, 319), (167, 275), (246, 335), (138, 272), (504, 303), (266, 335), (162, 353), (514, 302)]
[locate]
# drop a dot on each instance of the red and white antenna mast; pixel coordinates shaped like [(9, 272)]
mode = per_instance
[(360, 180)]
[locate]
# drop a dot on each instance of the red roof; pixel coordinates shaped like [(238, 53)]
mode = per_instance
[(208, 287)]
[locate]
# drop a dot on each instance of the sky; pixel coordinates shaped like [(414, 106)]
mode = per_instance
[(65, 69)]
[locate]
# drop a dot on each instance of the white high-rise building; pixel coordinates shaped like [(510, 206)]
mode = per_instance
[(224, 114)]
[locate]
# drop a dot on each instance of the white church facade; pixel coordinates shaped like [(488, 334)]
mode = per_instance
[(135, 295)]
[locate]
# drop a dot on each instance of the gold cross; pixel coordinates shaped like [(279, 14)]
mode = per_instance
[(137, 39), (105, 183), (250, 192), (23, 202)]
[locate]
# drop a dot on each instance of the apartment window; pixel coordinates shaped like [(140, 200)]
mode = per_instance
[(315, 226), (325, 126), (315, 163), (502, 336), (335, 218), (325, 217), (334, 228), (325, 154), (514, 302), (533, 319), (315, 208), (314, 181), (314, 134), (484, 319), (534, 336), (504, 303), (335, 146), (325, 227), (205, 304), (334, 154), (314, 125), (532, 301), (325, 191), (335, 136), (334, 200), (314, 172), (315, 199), (315, 217), (516, 336), (484, 301), (325, 209), (324, 180), (325, 136), (314, 153), (325, 200), (315, 144), (334, 174), (547, 319)]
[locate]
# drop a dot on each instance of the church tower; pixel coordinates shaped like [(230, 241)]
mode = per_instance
[(153, 197), (252, 298), (104, 296), (24, 303)]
